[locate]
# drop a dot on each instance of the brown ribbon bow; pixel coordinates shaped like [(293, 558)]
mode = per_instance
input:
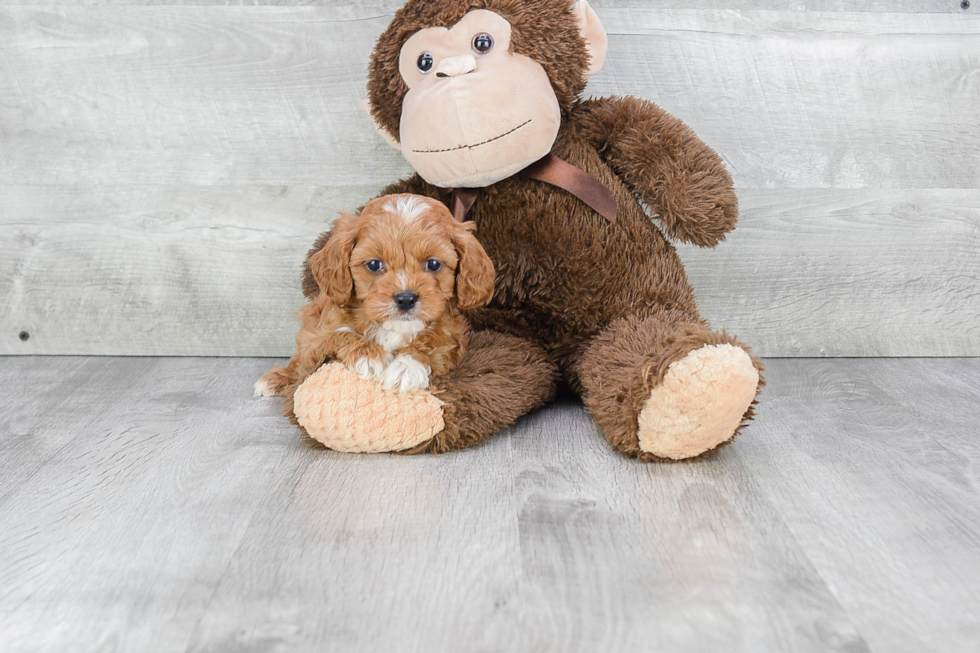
[(554, 171)]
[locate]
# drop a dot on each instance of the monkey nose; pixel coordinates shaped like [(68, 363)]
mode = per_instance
[(455, 66)]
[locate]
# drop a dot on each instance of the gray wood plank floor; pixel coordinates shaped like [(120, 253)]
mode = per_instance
[(153, 505)]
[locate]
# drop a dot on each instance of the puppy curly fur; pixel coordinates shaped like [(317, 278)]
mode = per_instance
[(355, 319)]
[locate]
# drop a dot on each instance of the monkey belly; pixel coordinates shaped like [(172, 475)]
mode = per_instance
[(564, 272)]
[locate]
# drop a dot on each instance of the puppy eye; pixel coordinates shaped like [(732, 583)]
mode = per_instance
[(374, 266), (425, 62), (483, 43), (433, 265)]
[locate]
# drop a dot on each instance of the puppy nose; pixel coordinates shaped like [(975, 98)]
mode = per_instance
[(455, 66), (406, 300)]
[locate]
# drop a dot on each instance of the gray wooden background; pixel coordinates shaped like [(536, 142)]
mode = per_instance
[(165, 165)]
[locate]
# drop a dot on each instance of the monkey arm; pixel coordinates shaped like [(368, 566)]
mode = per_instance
[(660, 158)]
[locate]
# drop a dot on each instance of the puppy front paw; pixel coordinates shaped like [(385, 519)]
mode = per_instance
[(405, 374), (370, 368), (273, 382)]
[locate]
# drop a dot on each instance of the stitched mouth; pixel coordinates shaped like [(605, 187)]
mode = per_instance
[(476, 145)]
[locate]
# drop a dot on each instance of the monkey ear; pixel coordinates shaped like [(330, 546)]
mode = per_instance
[(596, 41), (331, 265), (475, 274), (389, 139)]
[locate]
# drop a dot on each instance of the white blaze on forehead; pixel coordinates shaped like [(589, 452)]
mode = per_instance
[(407, 207)]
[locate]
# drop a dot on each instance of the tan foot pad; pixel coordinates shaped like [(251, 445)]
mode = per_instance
[(700, 402), (347, 413)]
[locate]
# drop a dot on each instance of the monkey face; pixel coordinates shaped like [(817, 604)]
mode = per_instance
[(475, 112)]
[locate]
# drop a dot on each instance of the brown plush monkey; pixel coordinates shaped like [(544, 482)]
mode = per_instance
[(475, 93)]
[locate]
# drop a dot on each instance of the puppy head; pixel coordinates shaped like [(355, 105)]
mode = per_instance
[(404, 259)]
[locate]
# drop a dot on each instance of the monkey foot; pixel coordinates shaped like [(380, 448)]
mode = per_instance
[(348, 413), (699, 404)]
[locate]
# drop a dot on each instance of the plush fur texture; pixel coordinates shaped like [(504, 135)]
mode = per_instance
[(542, 29), (447, 134), (401, 421), (607, 307), (502, 378), (699, 402), (477, 399)]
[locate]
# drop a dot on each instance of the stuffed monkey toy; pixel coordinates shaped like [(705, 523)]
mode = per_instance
[(482, 97)]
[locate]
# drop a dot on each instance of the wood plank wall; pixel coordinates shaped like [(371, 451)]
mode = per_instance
[(165, 165)]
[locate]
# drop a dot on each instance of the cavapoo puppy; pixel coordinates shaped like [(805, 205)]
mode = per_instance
[(393, 281)]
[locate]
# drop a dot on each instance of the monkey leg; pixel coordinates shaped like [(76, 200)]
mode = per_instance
[(664, 387), (500, 379)]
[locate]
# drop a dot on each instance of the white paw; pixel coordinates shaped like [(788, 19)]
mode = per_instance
[(405, 374), (369, 368), (263, 389)]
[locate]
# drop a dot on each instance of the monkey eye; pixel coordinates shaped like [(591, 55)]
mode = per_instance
[(425, 62), (432, 265), (483, 43), (374, 266)]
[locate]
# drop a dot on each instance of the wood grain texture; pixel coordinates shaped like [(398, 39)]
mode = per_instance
[(882, 460), (163, 169), (206, 95), (390, 6), (164, 510), (215, 272), (144, 476)]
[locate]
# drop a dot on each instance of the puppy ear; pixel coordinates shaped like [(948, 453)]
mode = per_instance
[(475, 273), (331, 265)]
